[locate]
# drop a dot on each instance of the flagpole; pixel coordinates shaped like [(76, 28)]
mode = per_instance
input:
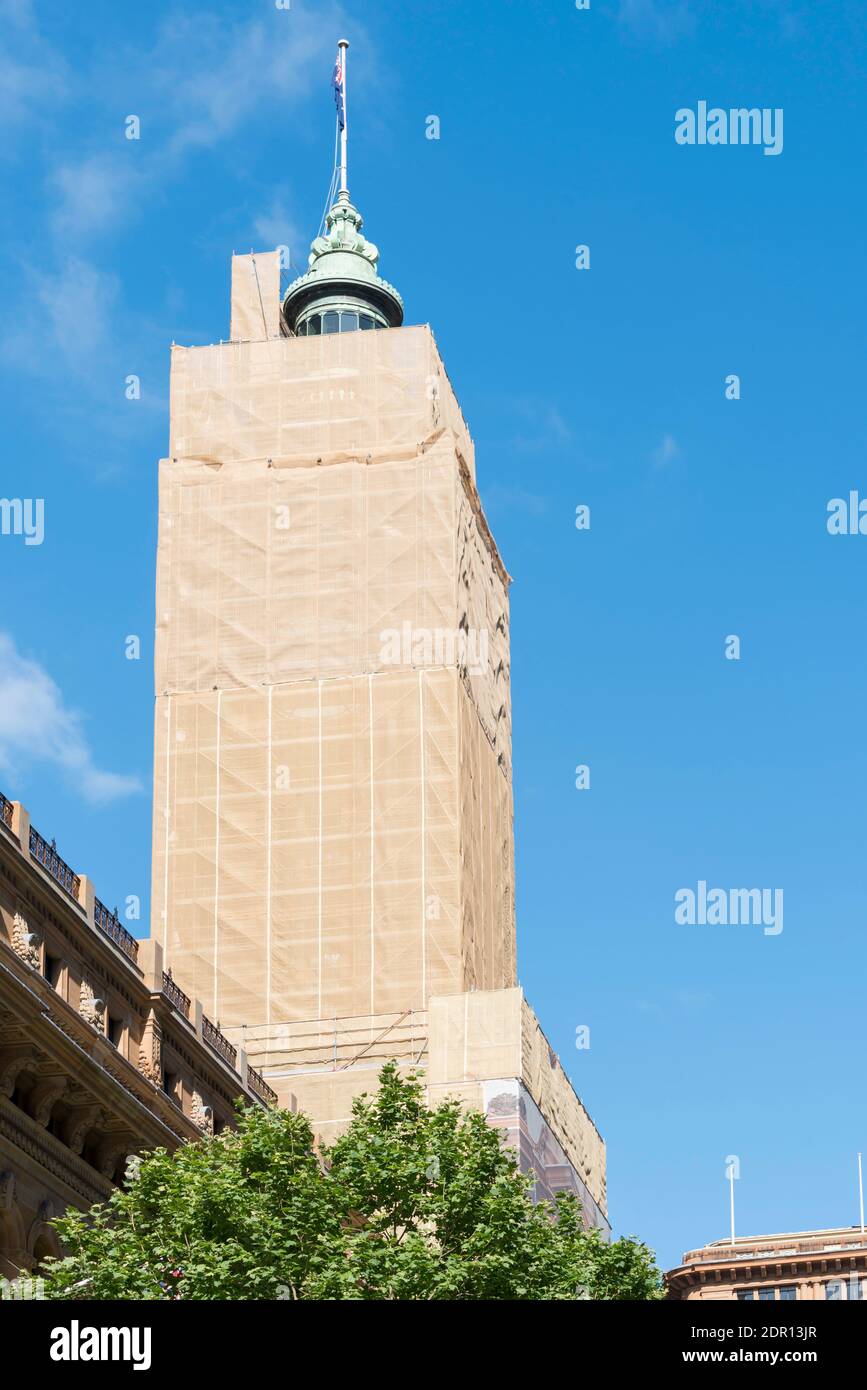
[(861, 1192), (343, 45)]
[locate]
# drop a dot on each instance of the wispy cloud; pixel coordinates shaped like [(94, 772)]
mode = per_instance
[(36, 724), (34, 77), (68, 316), (212, 76), (694, 1001), (200, 80), (93, 196), (538, 424), (276, 227), (661, 20), (503, 499), (78, 319), (72, 335), (665, 452)]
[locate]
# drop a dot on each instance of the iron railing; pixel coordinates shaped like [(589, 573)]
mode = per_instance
[(214, 1038), (5, 811), (259, 1086), (109, 923), (46, 855), (175, 995)]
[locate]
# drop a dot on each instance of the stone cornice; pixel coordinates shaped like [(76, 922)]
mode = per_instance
[(735, 1273), (96, 1064)]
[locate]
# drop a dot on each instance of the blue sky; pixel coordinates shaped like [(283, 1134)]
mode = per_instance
[(603, 387)]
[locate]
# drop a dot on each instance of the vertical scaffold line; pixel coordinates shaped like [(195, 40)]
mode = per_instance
[(370, 750), (217, 854), (167, 815), (481, 925), (423, 844), (319, 910), (270, 775)]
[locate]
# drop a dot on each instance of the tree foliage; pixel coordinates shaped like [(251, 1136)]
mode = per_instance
[(410, 1203)]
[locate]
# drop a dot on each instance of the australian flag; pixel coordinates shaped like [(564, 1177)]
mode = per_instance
[(339, 93)]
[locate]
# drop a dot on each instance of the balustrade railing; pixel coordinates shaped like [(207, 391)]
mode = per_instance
[(46, 855), (109, 923), (214, 1038), (259, 1086), (175, 994)]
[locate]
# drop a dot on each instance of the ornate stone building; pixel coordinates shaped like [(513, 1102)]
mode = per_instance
[(828, 1264), (102, 1054)]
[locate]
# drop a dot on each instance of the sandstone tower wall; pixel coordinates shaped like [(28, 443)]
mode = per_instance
[(333, 805)]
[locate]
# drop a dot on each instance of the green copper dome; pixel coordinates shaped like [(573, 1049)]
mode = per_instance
[(341, 291)]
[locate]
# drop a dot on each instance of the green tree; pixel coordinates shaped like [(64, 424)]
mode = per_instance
[(410, 1203)]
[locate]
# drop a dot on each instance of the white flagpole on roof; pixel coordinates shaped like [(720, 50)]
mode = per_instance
[(343, 46)]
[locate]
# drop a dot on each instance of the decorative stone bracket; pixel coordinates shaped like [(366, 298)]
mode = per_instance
[(151, 1051), (25, 943), (90, 1006), (202, 1115)]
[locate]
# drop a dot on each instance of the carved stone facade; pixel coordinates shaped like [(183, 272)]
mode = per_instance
[(90, 1006), (202, 1115), (25, 942), (102, 1057), (150, 1054)]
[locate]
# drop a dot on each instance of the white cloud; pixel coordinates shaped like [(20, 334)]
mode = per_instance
[(538, 424), (18, 12), (92, 196), (68, 317), (37, 725), (71, 333), (277, 228), (33, 76), (213, 76), (663, 20), (78, 308), (666, 451), (200, 79), (503, 499)]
